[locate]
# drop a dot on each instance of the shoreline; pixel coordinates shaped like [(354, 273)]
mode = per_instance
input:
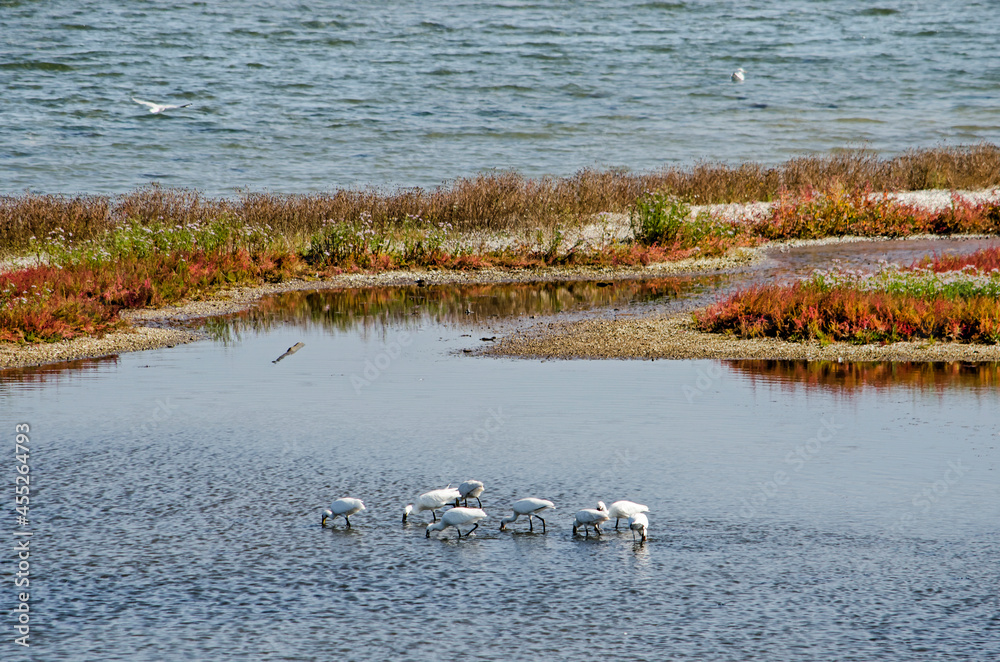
[(156, 328), (623, 338), (674, 337)]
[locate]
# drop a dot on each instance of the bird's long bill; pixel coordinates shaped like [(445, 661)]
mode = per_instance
[(323, 521)]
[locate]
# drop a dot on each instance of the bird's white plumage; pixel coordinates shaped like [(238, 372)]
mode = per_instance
[(620, 510), (156, 108), (456, 517), (638, 522), (739, 75), (343, 508), (471, 489), (530, 507), (433, 500), (625, 509), (590, 517)]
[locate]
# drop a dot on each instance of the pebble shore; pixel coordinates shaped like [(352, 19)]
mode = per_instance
[(675, 337)]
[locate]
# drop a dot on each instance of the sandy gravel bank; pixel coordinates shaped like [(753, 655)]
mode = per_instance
[(675, 337), (137, 339)]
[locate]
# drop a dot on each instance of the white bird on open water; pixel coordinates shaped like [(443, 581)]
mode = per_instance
[(456, 517), (157, 108), (433, 500), (530, 507), (471, 489), (342, 508), (590, 517), (625, 509), (638, 522), (739, 75)]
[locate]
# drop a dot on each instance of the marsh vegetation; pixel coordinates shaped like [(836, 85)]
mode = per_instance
[(91, 256)]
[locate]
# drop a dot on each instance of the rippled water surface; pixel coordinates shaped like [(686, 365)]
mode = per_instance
[(798, 511), (297, 97)]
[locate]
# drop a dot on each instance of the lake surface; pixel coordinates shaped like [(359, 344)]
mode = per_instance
[(797, 511), (296, 98)]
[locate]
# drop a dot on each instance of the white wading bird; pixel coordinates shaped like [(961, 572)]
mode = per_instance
[(625, 509), (531, 508), (590, 517), (640, 523), (456, 517), (342, 508), (739, 75), (471, 489), (433, 500), (156, 108)]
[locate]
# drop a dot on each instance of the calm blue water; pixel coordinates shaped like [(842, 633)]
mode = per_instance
[(298, 97), (845, 513)]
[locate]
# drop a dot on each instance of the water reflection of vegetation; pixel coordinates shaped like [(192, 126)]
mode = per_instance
[(40, 376), (410, 306), (850, 377)]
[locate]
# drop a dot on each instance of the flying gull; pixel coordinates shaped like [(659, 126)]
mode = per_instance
[(158, 107)]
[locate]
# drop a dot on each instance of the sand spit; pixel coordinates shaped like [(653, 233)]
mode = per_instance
[(674, 337), (136, 339)]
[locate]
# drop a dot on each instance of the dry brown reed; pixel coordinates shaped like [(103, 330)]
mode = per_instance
[(499, 201)]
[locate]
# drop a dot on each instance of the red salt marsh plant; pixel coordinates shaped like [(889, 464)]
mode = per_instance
[(661, 219), (986, 260), (82, 288), (862, 212), (890, 306)]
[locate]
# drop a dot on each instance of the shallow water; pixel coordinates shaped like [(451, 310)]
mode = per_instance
[(798, 511), (295, 98)]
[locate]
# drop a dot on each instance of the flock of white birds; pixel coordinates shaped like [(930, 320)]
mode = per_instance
[(532, 508)]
